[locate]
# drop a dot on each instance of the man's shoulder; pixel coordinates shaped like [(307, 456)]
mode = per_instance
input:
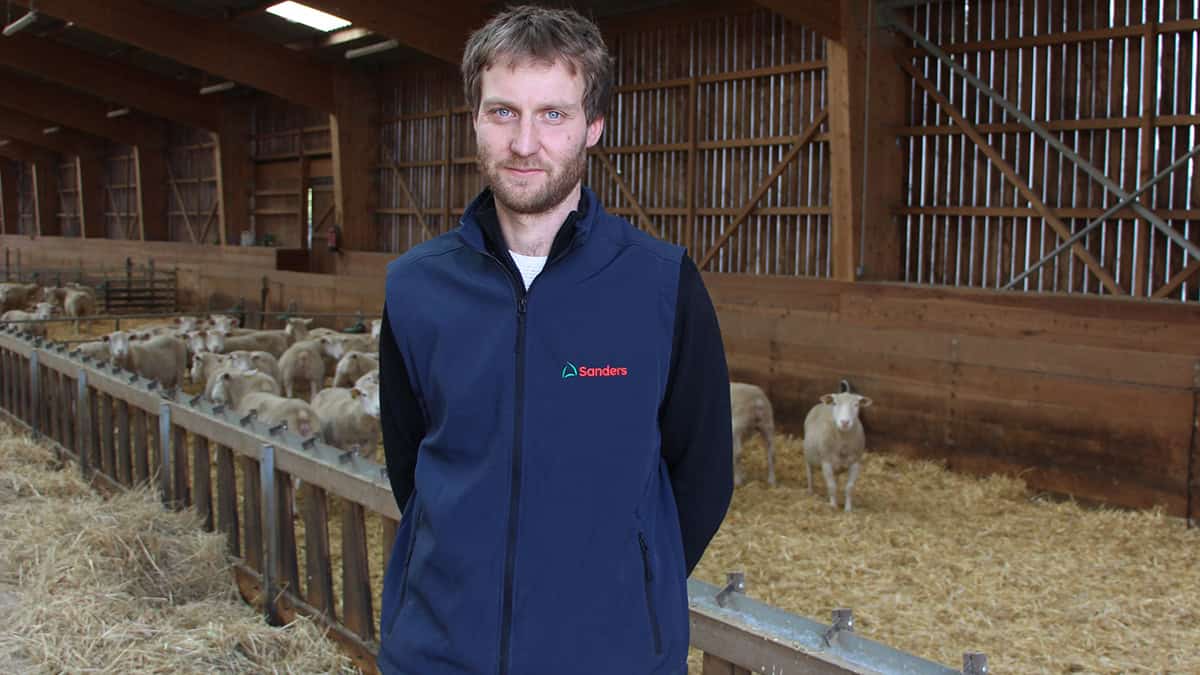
[(413, 259), (624, 231)]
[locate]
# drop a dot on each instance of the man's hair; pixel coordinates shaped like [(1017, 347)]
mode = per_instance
[(542, 34)]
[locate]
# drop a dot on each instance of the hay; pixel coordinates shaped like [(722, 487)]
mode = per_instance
[(122, 585), (937, 564)]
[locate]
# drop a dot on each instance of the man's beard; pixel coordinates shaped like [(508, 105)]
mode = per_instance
[(557, 186)]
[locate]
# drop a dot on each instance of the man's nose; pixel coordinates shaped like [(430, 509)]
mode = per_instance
[(525, 143)]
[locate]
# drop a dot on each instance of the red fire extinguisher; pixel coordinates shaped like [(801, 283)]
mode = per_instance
[(332, 237)]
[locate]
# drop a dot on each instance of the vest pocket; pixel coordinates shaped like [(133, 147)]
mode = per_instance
[(408, 556), (650, 609)]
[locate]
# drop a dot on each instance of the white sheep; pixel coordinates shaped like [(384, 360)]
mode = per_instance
[(263, 362), (275, 342), (834, 440), (16, 295), (79, 304), (272, 409), (752, 413), (349, 417), (352, 366), (43, 310), (205, 364), (300, 329), (302, 362), (162, 358), (230, 385)]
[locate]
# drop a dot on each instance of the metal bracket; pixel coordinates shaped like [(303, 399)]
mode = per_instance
[(248, 418), (309, 443), (195, 400), (282, 426), (843, 621), (975, 663), (346, 457), (735, 582)]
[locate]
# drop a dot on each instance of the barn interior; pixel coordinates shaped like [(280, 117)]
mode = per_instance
[(977, 212)]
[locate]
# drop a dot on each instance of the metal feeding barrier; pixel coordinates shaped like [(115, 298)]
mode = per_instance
[(124, 430)]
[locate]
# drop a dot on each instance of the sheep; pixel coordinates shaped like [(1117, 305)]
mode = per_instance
[(371, 378), (197, 341), (205, 364), (231, 386), (43, 310), (263, 362), (834, 440), (79, 304), (304, 361), (16, 295), (751, 412), (274, 342), (357, 343), (299, 330), (352, 366), (162, 358), (272, 409), (349, 417), (96, 349)]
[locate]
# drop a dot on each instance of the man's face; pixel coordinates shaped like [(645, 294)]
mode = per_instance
[(532, 133)]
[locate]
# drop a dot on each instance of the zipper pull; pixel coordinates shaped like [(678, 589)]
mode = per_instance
[(521, 305), (645, 557)]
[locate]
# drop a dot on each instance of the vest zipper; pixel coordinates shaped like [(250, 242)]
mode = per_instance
[(649, 578)]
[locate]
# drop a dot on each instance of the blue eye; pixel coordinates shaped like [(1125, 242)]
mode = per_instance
[(554, 115), (502, 112)]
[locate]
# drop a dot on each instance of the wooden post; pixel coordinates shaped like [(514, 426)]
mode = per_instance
[(355, 136), (1141, 257), (847, 60), (90, 177), (151, 165), (235, 171), (45, 190), (8, 194)]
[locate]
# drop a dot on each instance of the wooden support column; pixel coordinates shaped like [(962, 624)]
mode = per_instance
[(151, 163), (90, 176), (235, 172), (45, 190), (8, 194), (355, 137), (1146, 170), (886, 100), (847, 61)]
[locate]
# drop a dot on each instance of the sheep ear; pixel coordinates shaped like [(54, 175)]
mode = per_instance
[(355, 393), (864, 402), (827, 399)]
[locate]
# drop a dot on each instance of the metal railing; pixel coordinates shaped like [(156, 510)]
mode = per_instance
[(124, 430)]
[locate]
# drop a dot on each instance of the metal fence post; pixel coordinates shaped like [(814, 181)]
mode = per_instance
[(165, 457), (270, 516), (34, 393), (83, 424)]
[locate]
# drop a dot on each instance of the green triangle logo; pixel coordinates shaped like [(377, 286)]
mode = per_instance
[(569, 370)]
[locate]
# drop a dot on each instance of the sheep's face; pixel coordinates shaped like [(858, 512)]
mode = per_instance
[(370, 379), (845, 408), (220, 392), (43, 310), (243, 361), (368, 396), (186, 324), (196, 342), (215, 342), (297, 329), (222, 323), (118, 344), (334, 349)]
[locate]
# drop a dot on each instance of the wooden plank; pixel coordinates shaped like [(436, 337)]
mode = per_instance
[(151, 175), (141, 452), (45, 190), (202, 470), (318, 575), (287, 571), (847, 57), (95, 444), (108, 459), (388, 539), (252, 540), (227, 500), (9, 196), (124, 465), (354, 137), (181, 485), (1062, 230), (356, 578)]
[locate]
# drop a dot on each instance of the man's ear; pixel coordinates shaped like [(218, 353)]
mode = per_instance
[(594, 130)]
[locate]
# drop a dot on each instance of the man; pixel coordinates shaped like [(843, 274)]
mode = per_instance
[(555, 398)]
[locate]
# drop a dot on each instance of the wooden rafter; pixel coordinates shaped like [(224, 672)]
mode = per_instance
[(438, 29), (67, 108), (628, 194), (752, 203), (1177, 280), (1022, 187)]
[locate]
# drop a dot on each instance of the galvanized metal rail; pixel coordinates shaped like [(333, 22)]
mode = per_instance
[(124, 430)]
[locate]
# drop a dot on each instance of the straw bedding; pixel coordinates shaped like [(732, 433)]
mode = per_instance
[(120, 585), (937, 564)]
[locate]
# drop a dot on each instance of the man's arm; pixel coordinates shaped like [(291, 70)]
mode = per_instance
[(400, 415), (695, 419)]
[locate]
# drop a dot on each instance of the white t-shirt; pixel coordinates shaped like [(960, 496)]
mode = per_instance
[(529, 265)]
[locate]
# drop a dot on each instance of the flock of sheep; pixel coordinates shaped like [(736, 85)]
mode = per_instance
[(264, 370), (834, 440)]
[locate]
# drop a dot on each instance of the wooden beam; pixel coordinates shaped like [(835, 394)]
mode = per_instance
[(16, 124), (10, 209), (762, 188), (24, 152), (1057, 225), (847, 58), (333, 38), (825, 17), (187, 220), (70, 109), (210, 45), (647, 224), (1146, 170), (90, 175), (439, 29), (1177, 280), (45, 194), (408, 195), (235, 172), (152, 194), (110, 80), (354, 133)]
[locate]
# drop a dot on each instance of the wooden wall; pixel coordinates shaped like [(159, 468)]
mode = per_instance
[(1092, 397)]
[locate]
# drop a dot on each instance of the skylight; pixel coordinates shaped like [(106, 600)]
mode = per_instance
[(303, 14)]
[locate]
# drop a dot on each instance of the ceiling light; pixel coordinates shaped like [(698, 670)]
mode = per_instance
[(119, 112), (51, 130), (20, 23), (372, 49), (221, 86), (303, 14)]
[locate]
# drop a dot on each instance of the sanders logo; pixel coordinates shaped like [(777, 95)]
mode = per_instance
[(571, 370)]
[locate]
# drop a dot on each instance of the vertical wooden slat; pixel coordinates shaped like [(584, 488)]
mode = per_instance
[(95, 444), (108, 460), (141, 458), (124, 466), (287, 573), (227, 500), (317, 571), (714, 665), (202, 468), (356, 579), (388, 527), (49, 416), (1146, 169), (252, 510), (67, 386), (182, 493)]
